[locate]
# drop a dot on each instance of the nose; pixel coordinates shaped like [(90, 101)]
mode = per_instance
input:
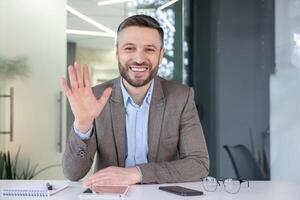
[(139, 56)]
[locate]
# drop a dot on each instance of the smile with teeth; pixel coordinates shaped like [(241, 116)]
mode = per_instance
[(138, 69)]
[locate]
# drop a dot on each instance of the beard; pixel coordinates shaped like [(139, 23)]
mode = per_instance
[(136, 82)]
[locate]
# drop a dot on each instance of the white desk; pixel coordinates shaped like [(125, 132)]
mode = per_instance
[(258, 190)]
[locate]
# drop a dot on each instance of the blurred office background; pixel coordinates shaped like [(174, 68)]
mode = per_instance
[(242, 57)]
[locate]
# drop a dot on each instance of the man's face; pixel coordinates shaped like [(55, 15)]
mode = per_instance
[(139, 54)]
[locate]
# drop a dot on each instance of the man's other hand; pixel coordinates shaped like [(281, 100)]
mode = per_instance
[(114, 176)]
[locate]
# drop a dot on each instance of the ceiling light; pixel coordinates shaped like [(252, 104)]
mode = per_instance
[(109, 2), (91, 33), (166, 4), (91, 21)]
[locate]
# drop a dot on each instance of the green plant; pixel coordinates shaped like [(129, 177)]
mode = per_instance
[(12, 68), (8, 167)]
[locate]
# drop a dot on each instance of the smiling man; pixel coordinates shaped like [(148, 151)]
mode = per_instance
[(143, 128)]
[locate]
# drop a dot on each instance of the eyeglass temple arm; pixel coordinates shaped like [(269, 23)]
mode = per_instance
[(242, 181)]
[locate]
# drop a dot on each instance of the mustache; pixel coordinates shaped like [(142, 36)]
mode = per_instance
[(140, 64)]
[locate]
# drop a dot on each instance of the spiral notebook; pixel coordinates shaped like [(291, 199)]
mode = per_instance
[(33, 189)]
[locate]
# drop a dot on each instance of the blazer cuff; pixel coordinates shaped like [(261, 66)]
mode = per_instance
[(148, 174)]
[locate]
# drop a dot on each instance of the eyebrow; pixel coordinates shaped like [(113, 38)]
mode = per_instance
[(151, 45), (132, 44), (128, 44)]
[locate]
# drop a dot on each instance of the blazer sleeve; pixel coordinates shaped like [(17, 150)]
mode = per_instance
[(193, 162), (78, 156)]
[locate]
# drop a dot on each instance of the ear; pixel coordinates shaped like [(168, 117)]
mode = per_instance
[(161, 56)]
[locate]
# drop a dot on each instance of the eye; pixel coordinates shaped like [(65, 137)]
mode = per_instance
[(129, 48), (150, 50)]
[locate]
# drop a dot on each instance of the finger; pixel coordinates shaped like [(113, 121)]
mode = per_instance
[(106, 180), (104, 97), (73, 78), (65, 87), (106, 172), (110, 180), (78, 74), (92, 178), (96, 178), (100, 183), (91, 181), (86, 76)]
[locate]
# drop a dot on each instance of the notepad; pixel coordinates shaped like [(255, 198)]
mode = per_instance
[(33, 189)]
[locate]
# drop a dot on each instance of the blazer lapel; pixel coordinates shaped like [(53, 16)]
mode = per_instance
[(155, 119), (118, 121)]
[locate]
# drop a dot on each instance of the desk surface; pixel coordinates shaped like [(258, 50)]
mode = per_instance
[(264, 190)]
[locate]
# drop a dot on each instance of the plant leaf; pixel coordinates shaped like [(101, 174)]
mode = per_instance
[(2, 166), (16, 162), (9, 168)]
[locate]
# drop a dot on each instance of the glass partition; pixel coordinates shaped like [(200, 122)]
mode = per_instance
[(48, 35)]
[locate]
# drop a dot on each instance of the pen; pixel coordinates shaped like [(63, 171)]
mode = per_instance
[(49, 186)]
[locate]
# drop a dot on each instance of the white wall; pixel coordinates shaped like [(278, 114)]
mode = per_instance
[(36, 29), (285, 95), (2, 84)]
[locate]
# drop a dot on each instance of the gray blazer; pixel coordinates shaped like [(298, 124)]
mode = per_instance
[(176, 145)]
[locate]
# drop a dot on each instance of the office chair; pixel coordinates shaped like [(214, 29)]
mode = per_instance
[(244, 164)]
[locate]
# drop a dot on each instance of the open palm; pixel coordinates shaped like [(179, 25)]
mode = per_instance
[(85, 106)]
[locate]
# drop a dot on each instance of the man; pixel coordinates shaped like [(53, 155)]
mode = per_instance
[(144, 129)]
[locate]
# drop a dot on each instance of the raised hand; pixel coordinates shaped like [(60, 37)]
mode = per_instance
[(83, 102)]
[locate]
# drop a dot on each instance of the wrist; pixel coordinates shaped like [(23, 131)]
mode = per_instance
[(136, 175), (83, 126)]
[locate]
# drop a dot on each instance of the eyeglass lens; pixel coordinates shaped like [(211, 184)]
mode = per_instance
[(231, 185), (210, 183)]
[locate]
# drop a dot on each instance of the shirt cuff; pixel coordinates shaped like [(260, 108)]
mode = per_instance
[(138, 168), (83, 136)]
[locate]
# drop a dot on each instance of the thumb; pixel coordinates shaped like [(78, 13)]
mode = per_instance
[(104, 97)]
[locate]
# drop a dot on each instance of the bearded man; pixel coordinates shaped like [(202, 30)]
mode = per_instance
[(143, 128)]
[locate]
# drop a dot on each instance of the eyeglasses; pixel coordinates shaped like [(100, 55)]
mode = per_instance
[(231, 185)]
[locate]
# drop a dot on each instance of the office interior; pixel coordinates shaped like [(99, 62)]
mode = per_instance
[(242, 57)]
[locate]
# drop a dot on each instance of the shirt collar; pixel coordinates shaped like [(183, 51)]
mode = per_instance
[(127, 98)]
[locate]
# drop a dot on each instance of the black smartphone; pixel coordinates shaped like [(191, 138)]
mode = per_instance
[(181, 190)]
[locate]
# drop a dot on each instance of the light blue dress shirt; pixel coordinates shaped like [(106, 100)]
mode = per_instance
[(136, 127), (137, 118)]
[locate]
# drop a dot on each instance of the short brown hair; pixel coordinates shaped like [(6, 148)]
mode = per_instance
[(142, 21)]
